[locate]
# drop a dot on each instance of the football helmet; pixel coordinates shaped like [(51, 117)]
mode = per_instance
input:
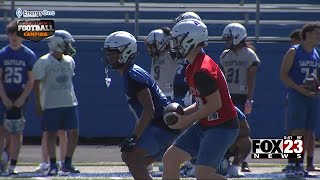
[(61, 42), (186, 35), (235, 33), (187, 15), (120, 48), (157, 41)]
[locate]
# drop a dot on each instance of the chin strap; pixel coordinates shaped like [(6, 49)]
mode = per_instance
[(107, 79)]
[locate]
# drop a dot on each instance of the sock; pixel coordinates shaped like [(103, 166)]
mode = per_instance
[(68, 160), (299, 162), (53, 161), (309, 161), (13, 162), (291, 162)]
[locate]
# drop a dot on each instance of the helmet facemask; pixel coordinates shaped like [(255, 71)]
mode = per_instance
[(176, 44), (113, 57), (156, 46), (68, 49)]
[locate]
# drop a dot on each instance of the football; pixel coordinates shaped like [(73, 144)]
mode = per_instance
[(312, 83), (172, 107)]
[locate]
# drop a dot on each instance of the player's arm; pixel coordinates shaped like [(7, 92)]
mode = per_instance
[(251, 79), (244, 128), (190, 109), (144, 96), (37, 96), (286, 66), (39, 74), (208, 88), (6, 101), (26, 91), (29, 84)]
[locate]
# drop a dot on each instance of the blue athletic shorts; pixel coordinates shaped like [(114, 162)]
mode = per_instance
[(64, 118), (155, 141), (303, 112), (207, 146)]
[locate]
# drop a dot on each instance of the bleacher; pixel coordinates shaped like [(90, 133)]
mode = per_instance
[(103, 111)]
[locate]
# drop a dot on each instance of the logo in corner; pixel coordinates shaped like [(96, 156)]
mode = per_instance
[(35, 30)]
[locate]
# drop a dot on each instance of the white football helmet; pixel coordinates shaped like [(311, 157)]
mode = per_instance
[(234, 31), (61, 42), (125, 45), (186, 35), (157, 41), (187, 15)]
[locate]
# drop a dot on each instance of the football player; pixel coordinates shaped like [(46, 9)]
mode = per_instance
[(16, 83), (56, 100), (239, 63), (151, 136), (299, 62), (163, 67), (212, 119)]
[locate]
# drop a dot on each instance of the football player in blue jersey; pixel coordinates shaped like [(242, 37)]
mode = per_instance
[(16, 83), (151, 136), (299, 62), (180, 86)]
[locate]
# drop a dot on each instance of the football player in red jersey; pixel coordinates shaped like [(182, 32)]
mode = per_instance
[(213, 117)]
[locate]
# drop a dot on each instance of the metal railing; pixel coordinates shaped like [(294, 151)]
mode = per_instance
[(136, 8)]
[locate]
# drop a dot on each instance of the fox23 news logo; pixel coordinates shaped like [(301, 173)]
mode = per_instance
[(288, 147)]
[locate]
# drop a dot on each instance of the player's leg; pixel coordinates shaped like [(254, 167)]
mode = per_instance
[(297, 120), (44, 165), (51, 122), (3, 135), (172, 159), (241, 150), (62, 135), (242, 147), (183, 149), (214, 144), (71, 124), (15, 145), (14, 123), (310, 137), (310, 151)]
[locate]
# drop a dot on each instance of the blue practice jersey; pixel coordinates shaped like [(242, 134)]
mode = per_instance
[(303, 65), (136, 79), (180, 86), (15, 66)]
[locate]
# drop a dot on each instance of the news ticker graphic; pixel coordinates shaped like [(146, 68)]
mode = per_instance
[(35, 30), (288, 147)]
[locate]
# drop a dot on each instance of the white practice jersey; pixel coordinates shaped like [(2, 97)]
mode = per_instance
[(56, 87), (163, 71), (235, 66)]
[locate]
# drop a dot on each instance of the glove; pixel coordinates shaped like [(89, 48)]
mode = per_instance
[(187, 100), (128, 144)]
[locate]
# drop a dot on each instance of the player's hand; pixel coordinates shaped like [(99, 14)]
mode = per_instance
[(248, 107), (39, 110), (301, 89), (7, 103), (128, 144), (19, 102), (182, 121)]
